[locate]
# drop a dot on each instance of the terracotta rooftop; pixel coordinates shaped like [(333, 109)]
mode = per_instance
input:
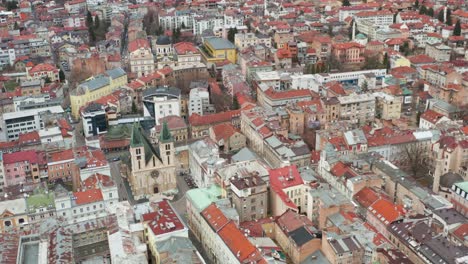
[(431, 116), (164, 220), (198, 120), (223, 131), (281, 95), (386, 211), (88, 196)]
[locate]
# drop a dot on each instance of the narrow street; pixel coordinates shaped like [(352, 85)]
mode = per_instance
[(125, 193)]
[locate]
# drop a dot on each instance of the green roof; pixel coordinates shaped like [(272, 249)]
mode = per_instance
[(138, 139), (202, 197), (121, 131), (463, 186), (165, 134), (40, 199)]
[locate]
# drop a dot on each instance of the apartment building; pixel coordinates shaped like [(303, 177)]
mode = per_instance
[(140, 57), (439, 52), (342, 249), (358, 108), (387, 107), (199, 102), (249, 196), (161, 101), (186, 54), (245, 40), (349, 52)]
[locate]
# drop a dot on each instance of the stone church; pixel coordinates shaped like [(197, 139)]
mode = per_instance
[(153, 167)]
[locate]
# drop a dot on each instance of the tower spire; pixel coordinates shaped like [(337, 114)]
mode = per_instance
[(165, 135)]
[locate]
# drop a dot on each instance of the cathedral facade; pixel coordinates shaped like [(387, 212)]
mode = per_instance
[(153, 167)]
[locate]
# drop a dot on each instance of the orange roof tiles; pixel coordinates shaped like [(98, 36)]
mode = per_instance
[(88, 196), (137, 44), (93, 181), (386, 211), (43, 67), (281, 95), (431, 116), (215, 217), (222, 117), (164, 220), (224, 131), (366, 197), (183, 48)]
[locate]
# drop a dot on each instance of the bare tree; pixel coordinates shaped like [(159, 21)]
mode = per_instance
[(415, 159), (78, 75)]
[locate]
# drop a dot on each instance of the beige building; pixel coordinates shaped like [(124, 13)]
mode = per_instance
[(441, 77), (227, 137), (387, 107), (13, 214), (249, 196), (281, 153), (153, 167), (177, 127), (140, 57), (358, 108), (282, 37), (438, 52), (342, 249)]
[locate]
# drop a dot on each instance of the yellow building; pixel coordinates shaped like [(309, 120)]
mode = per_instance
[(217, 50), (95, 88), (388, 107)]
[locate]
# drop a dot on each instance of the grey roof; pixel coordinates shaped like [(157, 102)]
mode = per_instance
[(244, 154), (163, 40), (316, 258), (439, 250), (95, 83), (449, 178), (162, 91), (220, 43), (116, 73), (450, 216), (301, 236), (450, 108)]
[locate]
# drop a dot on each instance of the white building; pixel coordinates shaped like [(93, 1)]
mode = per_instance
[(323, 78), (202, 23), (7, 57), (161, 101), (51, 136), (199, 101), (98, 200), (204, 160), (15, 123), (304, 81)]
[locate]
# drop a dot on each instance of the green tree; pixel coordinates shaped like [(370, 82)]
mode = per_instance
[(232, 34), (97, 23), (449, 17), (430, 12), (394, 17), (47, 79), (386, 62), (11, 5), (365, 87), (416, 4), (89, 19), (92, 35), (134, 107), (457, 29), (423, 10), (16, 26), (61, 76), (346, 3), (440, 16), (235, 103), (183, 25)]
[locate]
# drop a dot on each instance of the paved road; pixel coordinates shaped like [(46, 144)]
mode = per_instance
[(125, 193)]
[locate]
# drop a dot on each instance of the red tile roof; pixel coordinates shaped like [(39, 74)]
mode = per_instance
[(366, 197), (385, 211), (164, 220), (223, 131), (43, 67), (431, 116), (27, 155), (29, 138), (239, 245), (285, 177), (420, 59), (61, 156), (348, 45), (137, 44), (215, 218), (222, 117), (461, 232), (92, 182), (183, 48), (282, 95), (88, 196)]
